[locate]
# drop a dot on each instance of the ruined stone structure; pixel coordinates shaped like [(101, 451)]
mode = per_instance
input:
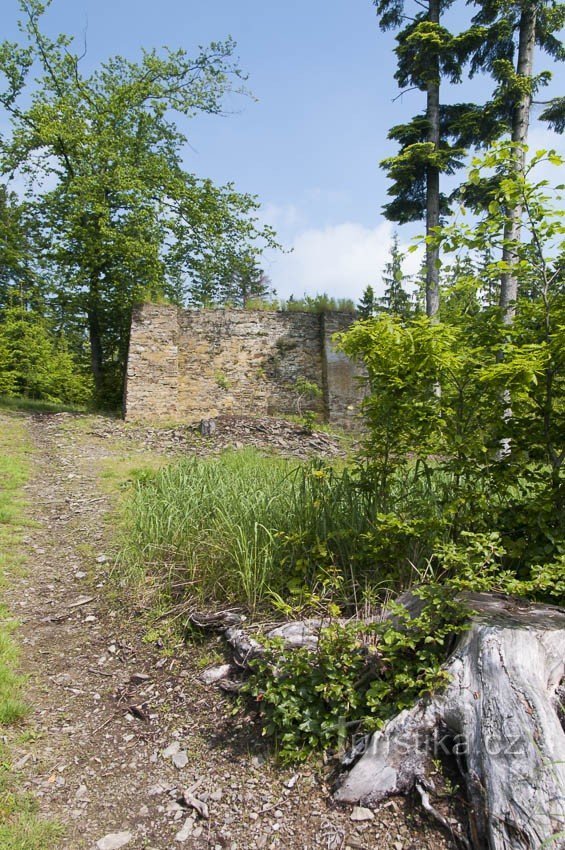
[(188, 365)]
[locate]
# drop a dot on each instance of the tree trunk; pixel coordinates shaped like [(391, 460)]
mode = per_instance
[(501, 716), (520, 126), (95, 338), (432, 180)]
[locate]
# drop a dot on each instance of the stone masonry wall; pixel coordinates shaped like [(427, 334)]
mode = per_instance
[(152, 375), (189, 365)]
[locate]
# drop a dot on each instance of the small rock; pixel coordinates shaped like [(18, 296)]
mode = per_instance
[(171, 750), (185, 833), (82, 793), (354, 843), (114, 840), (360, 813), (215, 674), (138, 678), (180, 760), (290, 783), (101, 559)]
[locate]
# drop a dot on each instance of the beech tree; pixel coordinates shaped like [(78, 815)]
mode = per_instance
[(121, 216)]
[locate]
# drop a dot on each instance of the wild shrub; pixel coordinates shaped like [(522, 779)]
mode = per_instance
[(35, 363)]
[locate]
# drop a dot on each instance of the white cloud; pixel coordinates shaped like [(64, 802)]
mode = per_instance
[(340, 260), (283, 217)]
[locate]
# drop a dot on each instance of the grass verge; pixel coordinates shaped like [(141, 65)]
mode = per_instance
[(20, 827), (37, 405)]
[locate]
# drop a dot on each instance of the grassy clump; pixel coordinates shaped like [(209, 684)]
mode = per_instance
[(241, 527), (20, 828)]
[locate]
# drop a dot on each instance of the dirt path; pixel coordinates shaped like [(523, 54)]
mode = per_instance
[(119, 729)]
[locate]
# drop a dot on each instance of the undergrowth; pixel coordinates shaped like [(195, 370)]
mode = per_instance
[(312, 539)]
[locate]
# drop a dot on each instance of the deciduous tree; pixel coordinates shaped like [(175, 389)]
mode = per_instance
[(122, 216)]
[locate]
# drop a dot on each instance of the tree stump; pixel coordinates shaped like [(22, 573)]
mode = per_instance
[(502, 714)]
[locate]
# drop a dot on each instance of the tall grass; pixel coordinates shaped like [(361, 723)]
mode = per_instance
[(240, 528), (208, 527)]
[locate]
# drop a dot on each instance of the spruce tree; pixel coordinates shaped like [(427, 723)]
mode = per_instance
[(244, 282), (432, 143), (503, 40), (367, 306), (395, 300)]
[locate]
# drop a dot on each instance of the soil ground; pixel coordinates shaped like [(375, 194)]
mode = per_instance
[(109, 708)]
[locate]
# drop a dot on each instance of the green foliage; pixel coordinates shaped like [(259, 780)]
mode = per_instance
[(396, 299), (321, 303), (436, 141), (243, 283), (209, 527), (304, 697), (360, 675), (20, 280), (222, 381), (367, 306), (492, 45), (448, 442), (306, 391), (35, 363), (357, 677), (115, 212)]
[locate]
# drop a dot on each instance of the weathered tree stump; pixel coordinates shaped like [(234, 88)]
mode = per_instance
[(502, 715)]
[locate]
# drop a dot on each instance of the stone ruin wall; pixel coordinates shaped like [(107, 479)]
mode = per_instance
[(188, 365)]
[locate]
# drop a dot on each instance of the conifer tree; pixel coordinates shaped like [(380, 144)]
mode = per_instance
[(367, 306), (503, 40), (244, 282), (432, 143), (395, 300)]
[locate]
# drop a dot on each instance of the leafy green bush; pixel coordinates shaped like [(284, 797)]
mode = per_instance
[(34, 363), (361, 674), (358, 676)]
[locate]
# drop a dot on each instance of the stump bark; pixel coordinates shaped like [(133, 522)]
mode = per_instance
[(501, 716)]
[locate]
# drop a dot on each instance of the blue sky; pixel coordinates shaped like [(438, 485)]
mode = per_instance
[(309, 147)]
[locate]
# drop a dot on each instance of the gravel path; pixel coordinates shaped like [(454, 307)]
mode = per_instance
[(120, 729)]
